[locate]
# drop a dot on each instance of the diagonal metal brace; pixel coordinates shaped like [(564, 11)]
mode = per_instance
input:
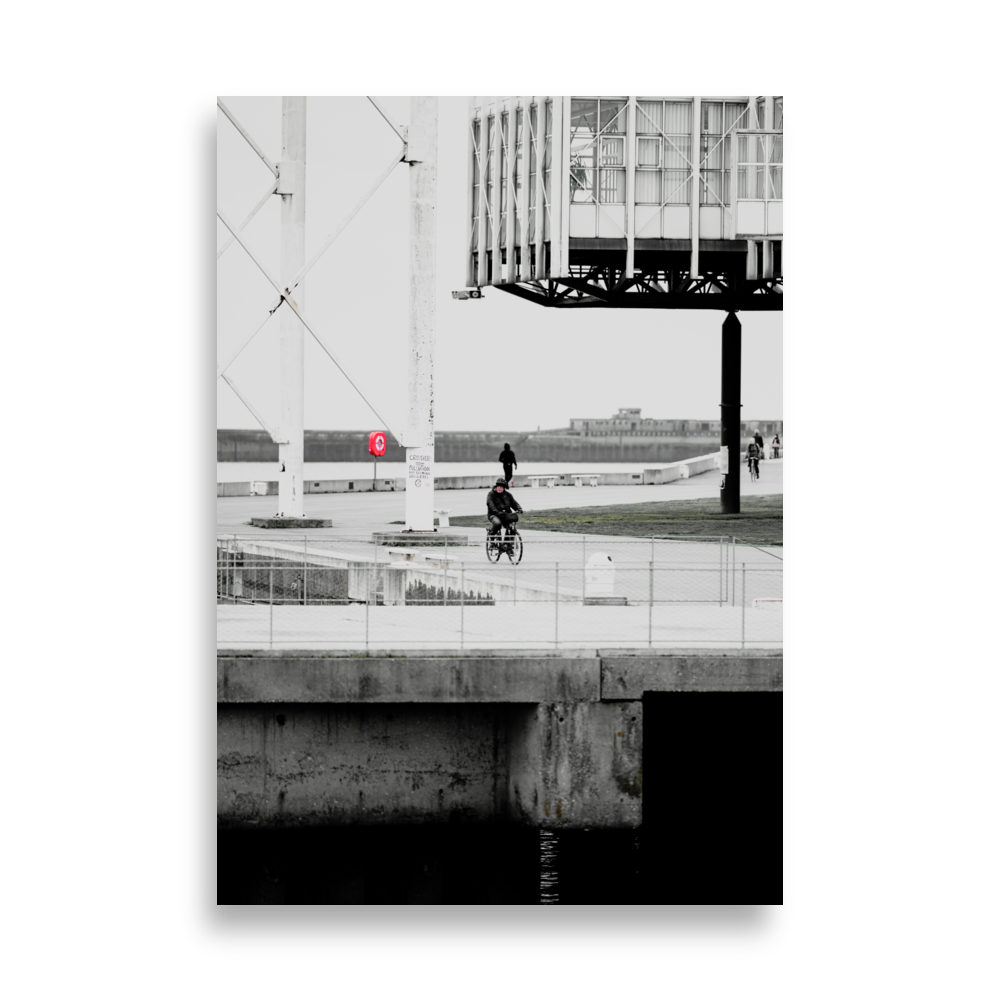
[(260, 420), (246, 222), (246, 135)]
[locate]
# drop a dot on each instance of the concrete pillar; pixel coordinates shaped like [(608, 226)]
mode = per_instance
[(422, 158), (291, 369), (732, 336)]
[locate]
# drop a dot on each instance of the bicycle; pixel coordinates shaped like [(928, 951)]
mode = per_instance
[(510, 542), (753, 467)]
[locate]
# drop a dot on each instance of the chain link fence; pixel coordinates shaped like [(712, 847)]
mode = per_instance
[(345, 593)]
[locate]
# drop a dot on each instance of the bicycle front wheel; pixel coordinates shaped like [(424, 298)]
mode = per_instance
[(515, 549)]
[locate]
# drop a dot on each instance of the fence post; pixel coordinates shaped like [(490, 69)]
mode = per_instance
[(650, 603), (743, 624), (733, 550), (461, 641), (270, 605), (720, 571), (557, 606), (367, 605)]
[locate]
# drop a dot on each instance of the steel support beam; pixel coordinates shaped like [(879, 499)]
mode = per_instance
[(732, 336)]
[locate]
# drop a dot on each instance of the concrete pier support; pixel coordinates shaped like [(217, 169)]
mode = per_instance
[(421, 155), (732, 336), (291, 365)]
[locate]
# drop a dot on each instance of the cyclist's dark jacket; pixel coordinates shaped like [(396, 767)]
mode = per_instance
[(507, 457), (501, 503), (753, 450)]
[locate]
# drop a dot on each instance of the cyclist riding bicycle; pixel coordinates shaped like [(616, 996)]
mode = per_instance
[(753, 459), (501, 507)]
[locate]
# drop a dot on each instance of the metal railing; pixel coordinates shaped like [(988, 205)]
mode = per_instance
[(351, 593)]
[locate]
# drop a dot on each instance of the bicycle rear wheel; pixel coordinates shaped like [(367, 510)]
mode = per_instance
[(515, 548)]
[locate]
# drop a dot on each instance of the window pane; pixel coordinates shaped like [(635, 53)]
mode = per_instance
[(711, 117), (711, 152), (649, 152), (676, 187), (779, 112), (711, 187), (736, 116), (582, 150), (581, 183), (647, 187), (611, 119), (649, 117), (612, 187), (677, 151), (760, 113), (775, 191), (775, 142), (612, 152), (677, 117), (583, 116)]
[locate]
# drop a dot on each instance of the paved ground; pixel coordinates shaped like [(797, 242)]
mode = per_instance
[(360, 514), (705, 577), (536, 626)]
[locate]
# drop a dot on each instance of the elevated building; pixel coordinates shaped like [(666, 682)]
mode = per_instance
[(642, 201)]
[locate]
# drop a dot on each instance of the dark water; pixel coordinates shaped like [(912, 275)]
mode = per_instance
[(488, 865), (711, 833)]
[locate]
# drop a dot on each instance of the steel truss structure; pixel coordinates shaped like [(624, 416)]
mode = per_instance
[(605, 286)]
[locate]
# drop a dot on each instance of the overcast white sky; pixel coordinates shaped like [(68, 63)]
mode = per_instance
[(567, 363)]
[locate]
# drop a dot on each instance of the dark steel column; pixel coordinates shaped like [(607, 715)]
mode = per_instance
[(732, 337)]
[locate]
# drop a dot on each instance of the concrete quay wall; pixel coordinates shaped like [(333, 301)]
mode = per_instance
[(544, 739), (652, 476), (246, 445)]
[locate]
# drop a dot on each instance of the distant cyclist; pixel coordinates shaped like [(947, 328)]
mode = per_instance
[(753, 459), (501, 507)]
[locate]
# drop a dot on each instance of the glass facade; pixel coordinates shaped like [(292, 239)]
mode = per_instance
[(475, 184), (597, 151), (663, 153), (504, 157)]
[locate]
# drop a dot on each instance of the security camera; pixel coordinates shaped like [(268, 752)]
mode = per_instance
[(467, 293)]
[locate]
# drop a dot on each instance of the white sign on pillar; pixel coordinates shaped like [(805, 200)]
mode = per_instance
[(420, 489)]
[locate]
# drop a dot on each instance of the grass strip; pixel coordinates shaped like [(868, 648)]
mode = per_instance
[(759, 521)]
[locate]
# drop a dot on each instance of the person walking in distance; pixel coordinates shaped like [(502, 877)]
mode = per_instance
[(509, 463), (759, 441), (775, 445)]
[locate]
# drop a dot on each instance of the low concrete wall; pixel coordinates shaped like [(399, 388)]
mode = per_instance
[(380, 485), (681, 470), (232, 489)]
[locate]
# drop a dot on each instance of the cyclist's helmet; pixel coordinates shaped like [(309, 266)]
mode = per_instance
[(501, 481)]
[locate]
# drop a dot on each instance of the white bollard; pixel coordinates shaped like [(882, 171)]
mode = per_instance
[(599, 576)]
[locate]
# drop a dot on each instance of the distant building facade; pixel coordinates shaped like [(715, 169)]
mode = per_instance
[(629, 422)]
